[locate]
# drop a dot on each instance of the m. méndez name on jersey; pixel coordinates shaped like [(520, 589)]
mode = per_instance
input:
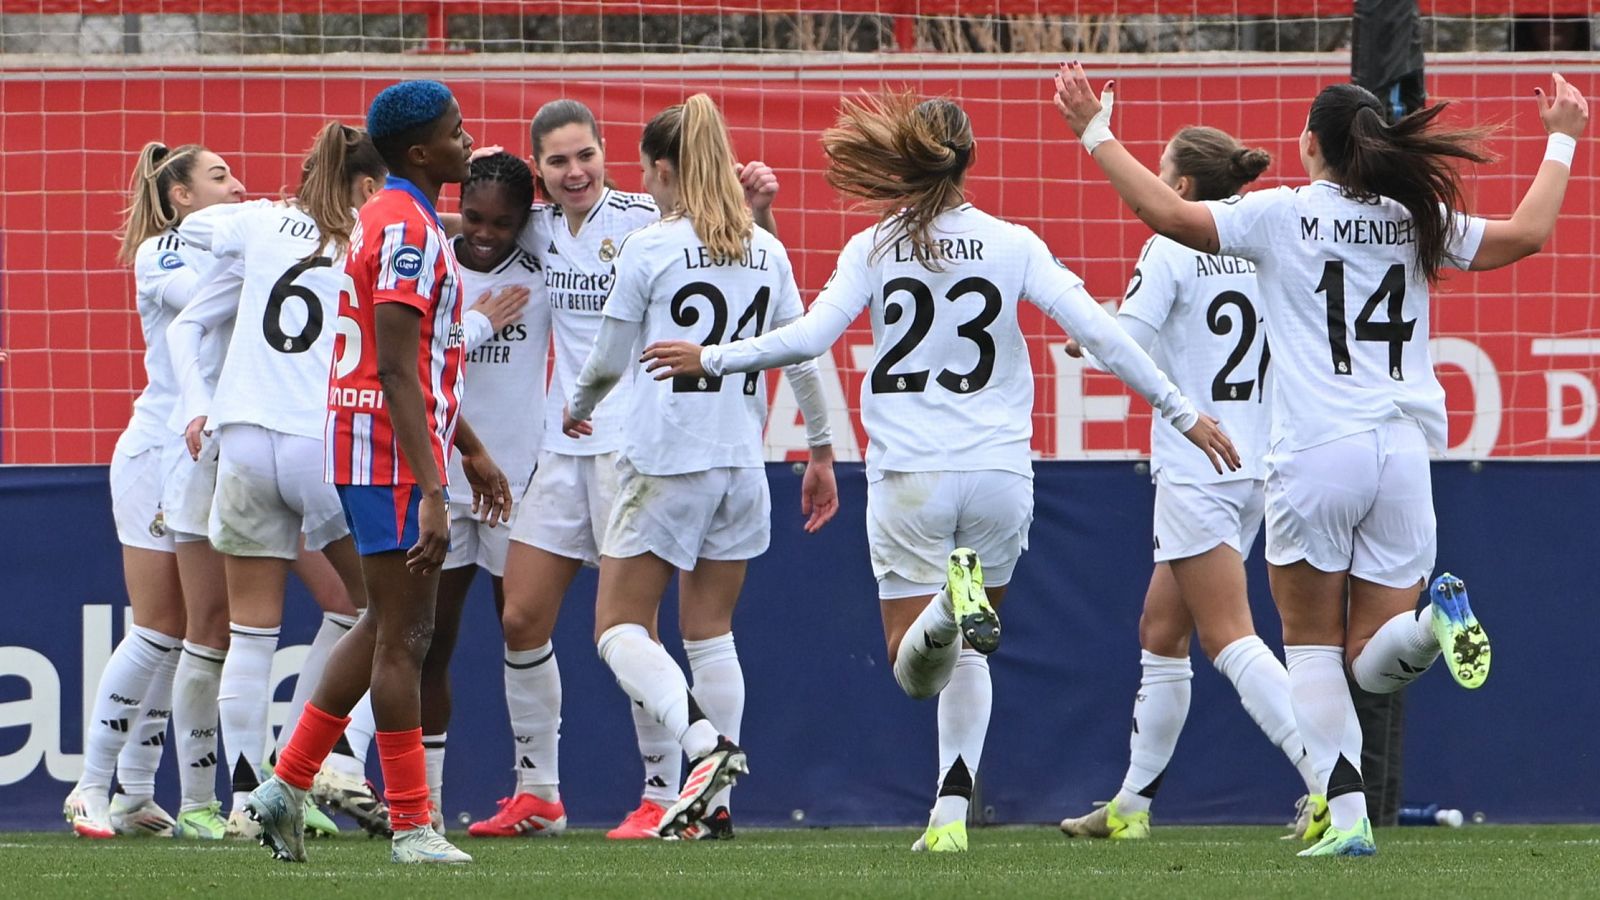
[(506, 369), (667, 280), (578, 277), (1345, 301), (1205, 312)]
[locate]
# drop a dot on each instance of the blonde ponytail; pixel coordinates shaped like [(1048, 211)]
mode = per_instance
[(694, 138), (338, 156), (149, 211)]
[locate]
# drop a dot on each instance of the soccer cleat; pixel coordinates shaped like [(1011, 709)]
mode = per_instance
[(242, 826), (716, 827), (353, 796), (949, 838), (1107, 822), (1460, 636), (143, 818), (969, 603), (1310, 818), (523, 814), (317, 822), (1356, 841), (424, 845), (643, 823), (89, 815), (202, 824), (707, 777), (280, 812)]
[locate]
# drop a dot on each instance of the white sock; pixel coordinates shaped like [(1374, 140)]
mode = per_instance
[(964, 706), (194, 723), (361, 729), (242, 699), (662, 758), (1400, 651), (1326, 717), (928, 650), (533, 698), (649, 676), (141, 755), (1159, 711), (334, 626), (1263, 686), (719, 689), (123, 686), (433, 760)]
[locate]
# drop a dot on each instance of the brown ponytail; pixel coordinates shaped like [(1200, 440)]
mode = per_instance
[(694, 138), (1408, 162), (338, 156), (1217, 163), (905, 159), (149, 210)]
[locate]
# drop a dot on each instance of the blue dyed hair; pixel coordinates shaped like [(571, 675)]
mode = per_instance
[(402, 107)]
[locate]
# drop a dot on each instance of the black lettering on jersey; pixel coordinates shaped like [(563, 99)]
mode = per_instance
[(701, 258), (1207, 264), (299, 228), (1309, 229), (952, 249), (1373, 231)]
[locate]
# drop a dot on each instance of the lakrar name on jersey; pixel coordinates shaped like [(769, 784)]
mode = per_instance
[(951, 249), (703, 258), (1205, 264), (497, 349), (365, 399), (1359, 231)]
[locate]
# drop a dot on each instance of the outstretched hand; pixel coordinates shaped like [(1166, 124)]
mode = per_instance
[(1564, 110), (667, 359), (1077, 102), (1207, 435)]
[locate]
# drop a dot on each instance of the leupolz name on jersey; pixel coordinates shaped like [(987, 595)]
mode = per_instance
[(702, 258), (1358, 231), (498, 349)]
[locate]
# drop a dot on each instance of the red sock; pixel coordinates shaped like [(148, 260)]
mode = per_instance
[(312, 741), (405, 778)]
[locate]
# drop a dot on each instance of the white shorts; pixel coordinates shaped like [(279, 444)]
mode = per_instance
[(186, 492), (472, 543), (568, 504), (270, 492), (722, 514), (1193, 518), (1361, 503), (136, 499), (914, 520)]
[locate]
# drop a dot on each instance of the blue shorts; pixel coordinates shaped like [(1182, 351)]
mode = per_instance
[(382, 517)]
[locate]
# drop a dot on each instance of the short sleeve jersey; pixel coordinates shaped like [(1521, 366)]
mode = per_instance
[(577, 269), (1346, 308), (507, 400), (951, 385), (284, 331), (668, 280), (1206, 312), (398, 254)]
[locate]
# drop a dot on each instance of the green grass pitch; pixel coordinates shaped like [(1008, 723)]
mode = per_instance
[(1482, 861)]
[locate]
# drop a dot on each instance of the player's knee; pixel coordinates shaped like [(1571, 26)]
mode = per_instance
[(1162, 637)]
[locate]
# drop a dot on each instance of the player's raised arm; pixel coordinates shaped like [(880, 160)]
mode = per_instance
[(1565, 114)]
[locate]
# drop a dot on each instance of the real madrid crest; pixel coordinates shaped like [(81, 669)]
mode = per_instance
[(158, 525), (608, 250)]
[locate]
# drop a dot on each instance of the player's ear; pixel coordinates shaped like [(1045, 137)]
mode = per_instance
[(1184, 186), (179, 195)]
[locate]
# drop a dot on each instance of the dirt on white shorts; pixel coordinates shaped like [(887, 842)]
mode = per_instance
[(914, 520), (567, 505), (186, 494), (1361, 503), (1191, 519), (721, 514), (136, 482), (270, 492)]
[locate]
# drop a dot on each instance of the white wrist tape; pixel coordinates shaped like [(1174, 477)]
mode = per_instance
[(1559, 148), (1099, 130)]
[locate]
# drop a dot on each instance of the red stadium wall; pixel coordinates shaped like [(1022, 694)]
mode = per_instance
[(1516, 349)]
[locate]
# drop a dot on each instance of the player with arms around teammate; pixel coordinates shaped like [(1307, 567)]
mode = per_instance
[(1196, 315), (393, 414), (134, 695), (948, 404), (693, 493), (1345, 265)]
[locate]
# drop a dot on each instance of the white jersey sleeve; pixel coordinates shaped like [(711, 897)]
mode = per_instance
[(215, 303), (1152, 289)]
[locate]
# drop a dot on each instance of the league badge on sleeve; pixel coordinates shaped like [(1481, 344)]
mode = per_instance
[(170, 261), (407, 262)]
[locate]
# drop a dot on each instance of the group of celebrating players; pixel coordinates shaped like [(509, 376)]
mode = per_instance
[(306, 409)]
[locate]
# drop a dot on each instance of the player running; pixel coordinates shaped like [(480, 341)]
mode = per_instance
[(692, 493), (133, 700), (1195, 313), (948, 404), (1356, 408), (393, 413)]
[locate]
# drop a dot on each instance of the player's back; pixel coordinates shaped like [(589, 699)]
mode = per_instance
[(668, 280)]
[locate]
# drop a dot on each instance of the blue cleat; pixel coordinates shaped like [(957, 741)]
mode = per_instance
[(1460, 636)]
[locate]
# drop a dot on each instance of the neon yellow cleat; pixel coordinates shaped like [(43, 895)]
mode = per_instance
[(1107, 822), (1356, 841), (318, 824), (203, 824), (969, 603), (951, 838), (1311, 818), (1460, 636)]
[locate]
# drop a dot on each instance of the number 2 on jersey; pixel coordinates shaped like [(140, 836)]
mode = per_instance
[(685, 315), (1223, 390), (1395, 332), (884, 381), (282, 290)]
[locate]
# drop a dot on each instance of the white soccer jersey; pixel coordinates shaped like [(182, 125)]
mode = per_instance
[(164, 272), (276, 371), (577, 269), (668, 280), (1205, 310), (1346, 308), (951, 386), (505, 371)]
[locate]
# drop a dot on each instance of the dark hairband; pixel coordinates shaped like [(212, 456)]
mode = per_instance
[(962, 154)]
